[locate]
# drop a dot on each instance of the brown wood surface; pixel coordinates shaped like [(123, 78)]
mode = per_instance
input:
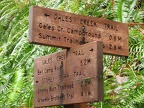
[(69, 77), (82, 105), (62, 29)]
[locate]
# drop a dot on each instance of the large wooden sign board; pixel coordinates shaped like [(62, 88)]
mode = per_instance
[(70, 76), (63, 29)]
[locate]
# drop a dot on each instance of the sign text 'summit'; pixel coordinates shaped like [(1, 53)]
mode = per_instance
[(66, 30)]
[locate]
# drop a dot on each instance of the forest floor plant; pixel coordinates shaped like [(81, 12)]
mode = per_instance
[(123, 76)]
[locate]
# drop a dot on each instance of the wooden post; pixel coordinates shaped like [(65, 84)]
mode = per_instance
[(73, 77), (83, 105)]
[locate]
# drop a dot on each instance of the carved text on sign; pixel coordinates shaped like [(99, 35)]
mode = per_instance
[(66, 30), (70, 76)]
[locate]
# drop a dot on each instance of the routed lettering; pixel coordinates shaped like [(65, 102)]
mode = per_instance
[(69, 76), (79, 73), (85, 61), (61, 57), (85, 82), (66, 86), (62, 29), (62, 18), (110, 26), (88, 22), (47, 79), (46, 26), (85, 93), (47, 61)]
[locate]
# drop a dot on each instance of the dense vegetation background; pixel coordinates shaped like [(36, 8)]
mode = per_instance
[(123, 76)]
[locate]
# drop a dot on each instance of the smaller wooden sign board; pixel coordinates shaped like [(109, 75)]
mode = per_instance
[(69, 76)]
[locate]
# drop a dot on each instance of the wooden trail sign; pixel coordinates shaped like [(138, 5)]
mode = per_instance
[(69, 76), (66, 30)]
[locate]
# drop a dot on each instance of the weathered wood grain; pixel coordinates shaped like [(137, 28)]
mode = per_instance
[(62, 29), (70, 76)]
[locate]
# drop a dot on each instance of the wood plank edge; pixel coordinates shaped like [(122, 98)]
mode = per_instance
[(30, 31), (100, 82)]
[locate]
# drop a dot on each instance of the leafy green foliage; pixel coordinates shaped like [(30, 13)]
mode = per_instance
[(123, 77)]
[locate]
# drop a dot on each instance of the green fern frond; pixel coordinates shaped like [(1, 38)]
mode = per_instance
[(16, 86)]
